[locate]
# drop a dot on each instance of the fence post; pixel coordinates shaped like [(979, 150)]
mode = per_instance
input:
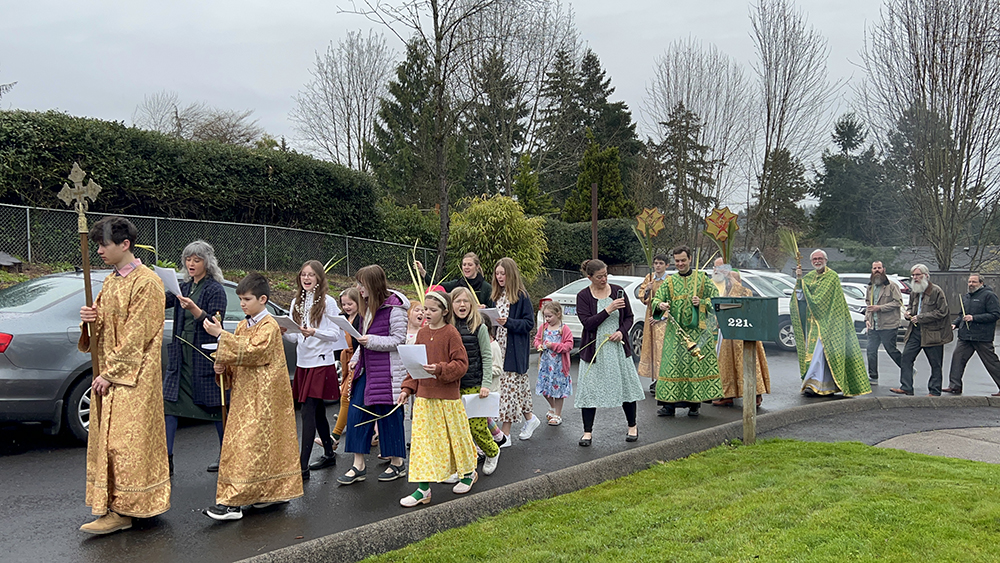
[(347, 253), (27, 213), (156, 239), (265, 248)]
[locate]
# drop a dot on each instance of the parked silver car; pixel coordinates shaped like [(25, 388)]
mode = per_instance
[(566, 296), (43, 377)]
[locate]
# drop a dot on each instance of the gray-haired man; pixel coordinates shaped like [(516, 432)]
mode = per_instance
[(929, 331)]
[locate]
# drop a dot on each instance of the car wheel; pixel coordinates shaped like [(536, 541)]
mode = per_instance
[(635, 337), (77, 409), (786, 335)]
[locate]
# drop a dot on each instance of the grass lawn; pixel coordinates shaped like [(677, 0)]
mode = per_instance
[(780, 500)]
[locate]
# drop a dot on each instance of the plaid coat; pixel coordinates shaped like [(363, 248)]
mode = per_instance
[(206, 392)]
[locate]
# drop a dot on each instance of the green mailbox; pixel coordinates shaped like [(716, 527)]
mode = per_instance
[(747, 318)]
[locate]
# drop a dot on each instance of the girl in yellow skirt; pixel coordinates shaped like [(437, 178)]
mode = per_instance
[(441, 443)]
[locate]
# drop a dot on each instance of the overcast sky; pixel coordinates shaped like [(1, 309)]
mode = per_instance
[(98, 58)]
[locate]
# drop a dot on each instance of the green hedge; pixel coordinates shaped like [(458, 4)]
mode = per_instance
[(149, 173), (569, 243)]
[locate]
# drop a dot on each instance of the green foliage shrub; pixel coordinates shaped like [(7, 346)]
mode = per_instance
[(569, 243), (495, 227)]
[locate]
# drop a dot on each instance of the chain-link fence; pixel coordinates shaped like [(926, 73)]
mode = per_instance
[(49, 236)]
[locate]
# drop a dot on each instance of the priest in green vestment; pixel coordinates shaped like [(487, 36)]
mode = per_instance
[(830, 358), (684, 380)]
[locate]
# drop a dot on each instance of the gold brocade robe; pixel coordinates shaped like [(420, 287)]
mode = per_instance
[(731, 359), (653, 331), (127, 469), (260, 453)]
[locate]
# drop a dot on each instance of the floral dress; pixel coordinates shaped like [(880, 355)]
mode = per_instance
[(552, 382)]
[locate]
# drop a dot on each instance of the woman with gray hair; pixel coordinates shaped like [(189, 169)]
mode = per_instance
[(189, 388)]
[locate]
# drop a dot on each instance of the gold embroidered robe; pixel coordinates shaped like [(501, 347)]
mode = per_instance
[(653, 331), (260, 452), (127, 469), (731, 359)]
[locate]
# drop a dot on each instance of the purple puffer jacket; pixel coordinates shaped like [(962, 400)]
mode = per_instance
[(379, 359)]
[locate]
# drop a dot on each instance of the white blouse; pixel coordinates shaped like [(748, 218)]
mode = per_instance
[(321, 348)]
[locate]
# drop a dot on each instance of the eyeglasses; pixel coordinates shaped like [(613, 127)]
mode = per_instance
[(308, 275)]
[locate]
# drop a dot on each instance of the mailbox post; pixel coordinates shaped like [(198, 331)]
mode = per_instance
[(752, 320)]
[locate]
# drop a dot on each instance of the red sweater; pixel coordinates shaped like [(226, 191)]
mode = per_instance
[(447, 353)]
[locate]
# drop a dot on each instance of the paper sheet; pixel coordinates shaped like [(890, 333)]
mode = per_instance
[(414, 356), (169, 278), (492, 313), (289, 324), (346, 326), (482, 408)]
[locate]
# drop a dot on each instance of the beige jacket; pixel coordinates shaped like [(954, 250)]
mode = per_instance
[(891, 301)]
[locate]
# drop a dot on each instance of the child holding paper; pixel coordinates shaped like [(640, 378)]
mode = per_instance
[(316, 347), (350, 307), (479, 377), (441, 441), (553, 342)]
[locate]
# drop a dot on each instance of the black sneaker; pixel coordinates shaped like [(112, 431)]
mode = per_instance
[(213, 467), (223, 512), (666, 410), (693, 411)]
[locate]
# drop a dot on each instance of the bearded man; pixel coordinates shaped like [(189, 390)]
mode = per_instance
[(830, 358), (882, 318), (929, 331)]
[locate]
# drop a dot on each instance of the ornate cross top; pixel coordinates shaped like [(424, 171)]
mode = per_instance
[(78, 195)]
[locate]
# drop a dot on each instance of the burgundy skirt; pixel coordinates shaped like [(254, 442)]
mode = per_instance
[(316, 383)]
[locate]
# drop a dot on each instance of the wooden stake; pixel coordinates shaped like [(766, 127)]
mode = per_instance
[(749, 392)]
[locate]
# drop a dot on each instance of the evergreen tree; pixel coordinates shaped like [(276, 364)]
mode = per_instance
[(603, 167), (495, 128), (688, 171), (527, 192), (778, 196), (562, 130), (402, 154), (856, 200)]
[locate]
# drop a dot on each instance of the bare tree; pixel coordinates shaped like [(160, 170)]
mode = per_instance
[(163, 112), (525, 35), (795, 99), (933, 78), (439, 26), (335, 111), (714, 86)]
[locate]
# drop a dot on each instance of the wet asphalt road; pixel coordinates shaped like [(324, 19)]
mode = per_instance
[(41, 480)]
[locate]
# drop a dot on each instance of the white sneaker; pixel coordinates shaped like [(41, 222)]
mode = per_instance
[(490, 465), (529, 428), (455, 478), (505, 442)]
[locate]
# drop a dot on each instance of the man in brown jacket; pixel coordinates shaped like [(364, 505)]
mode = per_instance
[(929, 331), (882, 319)]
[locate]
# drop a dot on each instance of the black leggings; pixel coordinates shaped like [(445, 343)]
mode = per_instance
[(313, 421), (590, 413)]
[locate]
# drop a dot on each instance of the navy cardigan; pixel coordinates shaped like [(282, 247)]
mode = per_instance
[(586, 310), (520, 322), (212, 299)]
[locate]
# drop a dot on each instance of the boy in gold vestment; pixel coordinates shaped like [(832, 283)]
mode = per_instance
[(127, 472), (259, 465)]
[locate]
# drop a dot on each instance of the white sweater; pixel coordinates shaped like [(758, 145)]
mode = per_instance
[(321, 348)]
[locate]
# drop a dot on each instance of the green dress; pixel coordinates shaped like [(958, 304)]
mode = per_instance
[(611, 379), (682, 377)]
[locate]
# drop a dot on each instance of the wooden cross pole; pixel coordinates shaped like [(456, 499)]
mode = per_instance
[(77, 196)]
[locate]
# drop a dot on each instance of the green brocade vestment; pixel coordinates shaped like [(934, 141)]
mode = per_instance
[(682, 377), (827, 318)]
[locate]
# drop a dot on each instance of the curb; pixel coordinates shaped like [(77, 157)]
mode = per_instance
[(397, 532)]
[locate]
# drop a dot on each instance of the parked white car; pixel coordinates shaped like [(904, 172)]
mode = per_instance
[(566, 296)]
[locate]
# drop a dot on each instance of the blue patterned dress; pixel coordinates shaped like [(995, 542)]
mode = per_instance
[(552, 382)]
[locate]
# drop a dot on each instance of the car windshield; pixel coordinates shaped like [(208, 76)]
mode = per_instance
[(37, 294), (770, 287)]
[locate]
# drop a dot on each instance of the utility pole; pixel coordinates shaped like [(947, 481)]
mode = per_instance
[(593, 221)]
